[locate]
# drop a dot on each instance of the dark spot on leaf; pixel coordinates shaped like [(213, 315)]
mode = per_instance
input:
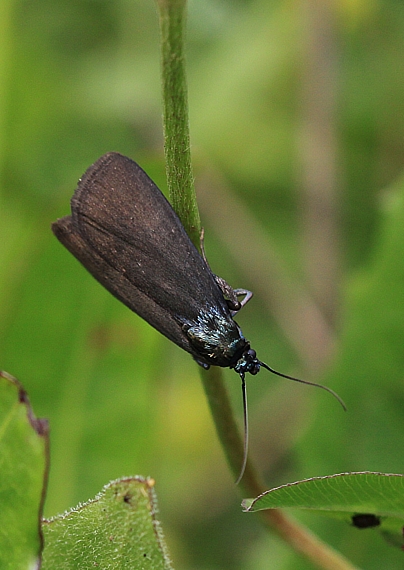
[(127, 497), (365, 520)]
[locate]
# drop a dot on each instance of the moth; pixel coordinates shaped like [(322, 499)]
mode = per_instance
[(127, 235)]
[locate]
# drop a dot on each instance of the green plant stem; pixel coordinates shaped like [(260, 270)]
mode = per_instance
[(175, 114), (296, 535), (228, 431), (182, 194)]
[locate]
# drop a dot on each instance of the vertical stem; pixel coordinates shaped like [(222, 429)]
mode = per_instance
[(182, 192), (180, 184), (175, 109), (227, 430)]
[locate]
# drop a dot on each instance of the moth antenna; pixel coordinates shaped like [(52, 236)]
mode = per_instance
[(340, 400), (245, 418)]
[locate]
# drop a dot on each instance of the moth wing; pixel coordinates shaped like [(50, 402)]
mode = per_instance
[(125, 232), (117, 283)]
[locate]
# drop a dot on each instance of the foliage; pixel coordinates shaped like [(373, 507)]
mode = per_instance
[(24, 465), (117, 529), (82, 78)]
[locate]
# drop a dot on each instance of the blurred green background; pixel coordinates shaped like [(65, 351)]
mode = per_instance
[(297, 125)]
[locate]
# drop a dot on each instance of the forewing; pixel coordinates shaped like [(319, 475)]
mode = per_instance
[(124, 231)]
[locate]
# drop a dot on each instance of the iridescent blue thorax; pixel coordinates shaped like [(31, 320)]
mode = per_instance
[(217, 340)]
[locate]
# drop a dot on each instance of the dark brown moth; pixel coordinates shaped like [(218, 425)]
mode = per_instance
[(126, 234)]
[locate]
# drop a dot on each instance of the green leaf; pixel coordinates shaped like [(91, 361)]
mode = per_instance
[(23, 468), (365, 500), (357, 492), (117, 529)]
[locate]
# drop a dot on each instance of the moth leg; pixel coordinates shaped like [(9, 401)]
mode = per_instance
[(202, 246), (231, 294), (247, 296)]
